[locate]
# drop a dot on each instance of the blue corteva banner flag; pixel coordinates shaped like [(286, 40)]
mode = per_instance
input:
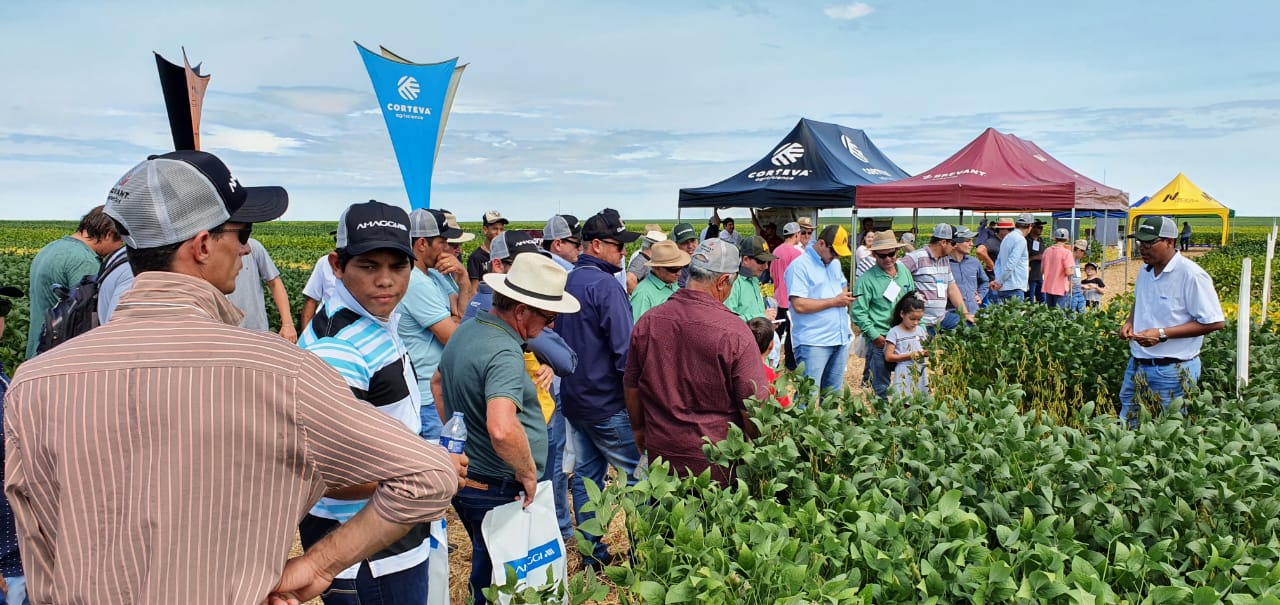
[(413, 101)]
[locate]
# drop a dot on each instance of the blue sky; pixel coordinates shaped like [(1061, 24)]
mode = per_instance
[(573, 106)]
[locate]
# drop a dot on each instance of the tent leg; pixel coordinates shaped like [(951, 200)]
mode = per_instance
[(1073, 224), (853, 234), (678, 209), (915, 221)]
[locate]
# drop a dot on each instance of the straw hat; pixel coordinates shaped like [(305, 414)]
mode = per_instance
[(667, 254), (805, 223), (537, 281), (884, 240), (1004, 223)]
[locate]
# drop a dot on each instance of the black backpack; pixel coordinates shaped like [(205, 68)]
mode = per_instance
[(76, 311)]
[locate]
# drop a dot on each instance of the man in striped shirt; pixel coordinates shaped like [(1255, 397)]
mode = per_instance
[(170, 453), (930, 267), (355, 331)]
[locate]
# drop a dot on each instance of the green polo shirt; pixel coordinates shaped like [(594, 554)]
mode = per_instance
[(872, 310), (649, 293), (484, 360), (745, 299)]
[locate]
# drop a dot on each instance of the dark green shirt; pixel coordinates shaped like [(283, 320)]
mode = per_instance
[(484, 360), (61, 263)]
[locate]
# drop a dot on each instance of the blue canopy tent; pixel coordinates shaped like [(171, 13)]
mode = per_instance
[(818, 165), (1106, 223)]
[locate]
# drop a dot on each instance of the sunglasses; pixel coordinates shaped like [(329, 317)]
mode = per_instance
[(669, 269), (619, 245), (546, 316), (885, 254), (573, 242), (241, 234)]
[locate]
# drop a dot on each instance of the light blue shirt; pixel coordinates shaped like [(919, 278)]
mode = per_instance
[(1182, 292), (808, 277), (1013, 265), (425, 303)]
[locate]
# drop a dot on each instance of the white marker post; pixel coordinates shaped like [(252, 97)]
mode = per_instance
[(1242, 326), (1266, 276)]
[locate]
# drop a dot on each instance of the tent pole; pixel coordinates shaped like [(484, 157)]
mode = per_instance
[(853, 234), (678, 209), (915, 221), (1073, 225)]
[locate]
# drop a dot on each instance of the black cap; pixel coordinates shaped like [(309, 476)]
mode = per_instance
[(373, 226), (244, 204), (607, 224)]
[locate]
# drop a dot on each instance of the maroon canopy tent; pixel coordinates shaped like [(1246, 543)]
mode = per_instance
[(995, 172)]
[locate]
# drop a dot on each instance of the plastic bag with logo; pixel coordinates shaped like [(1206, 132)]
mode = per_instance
[(438, 565), (528, 540)]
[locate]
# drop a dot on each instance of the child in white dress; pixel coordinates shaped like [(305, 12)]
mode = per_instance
[(904, 348)]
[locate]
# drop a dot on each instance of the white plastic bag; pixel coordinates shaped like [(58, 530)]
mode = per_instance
[(438, 565), (859, 346), (527, 539)]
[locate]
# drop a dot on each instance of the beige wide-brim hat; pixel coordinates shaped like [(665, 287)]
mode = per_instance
[(884, 240), (537, 281), (452, 221), (805, 222), (667, 254)]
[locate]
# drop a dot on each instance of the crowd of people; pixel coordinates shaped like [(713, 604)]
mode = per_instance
[(179, 449)]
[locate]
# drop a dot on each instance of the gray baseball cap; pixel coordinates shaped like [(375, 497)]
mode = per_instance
[(790, 229), (964, 234), (561, 226), (170, 198), (425, 222), (717, 256), (944, 231)]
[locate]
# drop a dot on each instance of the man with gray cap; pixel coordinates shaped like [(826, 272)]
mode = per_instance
[(1059, 266), (930, 267), (211, 436), (1012, 263), (1174, 306), (786, 252), (677, 396), (426, 312), (562, 237), (968, 273)]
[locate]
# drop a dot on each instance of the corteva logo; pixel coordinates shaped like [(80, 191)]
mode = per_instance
[(787, 154), (407, 87), (853, 148), (382, 223)]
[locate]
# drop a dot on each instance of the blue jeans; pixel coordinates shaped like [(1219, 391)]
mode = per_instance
[(1034, 291), (824, 364), (472, 503), (1165, 381), (601, 444), (17, 594), (431, 425), (1061, 301), (408, 587), (879, 374), (1077, 302), (556, 432), (1008, 295)]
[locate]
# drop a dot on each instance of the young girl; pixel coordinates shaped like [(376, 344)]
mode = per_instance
[(904, 348)]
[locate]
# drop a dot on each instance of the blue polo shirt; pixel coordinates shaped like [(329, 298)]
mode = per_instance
[(809, 277), (425, 304)]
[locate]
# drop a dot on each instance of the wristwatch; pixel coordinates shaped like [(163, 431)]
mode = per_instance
[(1163, 337)]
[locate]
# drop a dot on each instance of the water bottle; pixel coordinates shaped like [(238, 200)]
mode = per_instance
[(454, 435)]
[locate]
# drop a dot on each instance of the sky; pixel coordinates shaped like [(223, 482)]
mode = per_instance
[(574, 106)]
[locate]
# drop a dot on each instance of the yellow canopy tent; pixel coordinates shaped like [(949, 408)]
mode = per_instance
[(1181, 197)]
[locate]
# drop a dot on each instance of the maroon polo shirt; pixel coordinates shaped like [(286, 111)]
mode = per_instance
[(695, 362)]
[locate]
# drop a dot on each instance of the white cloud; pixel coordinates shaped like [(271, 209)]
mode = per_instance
[(217, 138), (639, 154), (857, 10)]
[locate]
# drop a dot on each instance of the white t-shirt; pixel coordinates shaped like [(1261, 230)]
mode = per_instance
[(257, 268), (1181, 293), (320, 284)]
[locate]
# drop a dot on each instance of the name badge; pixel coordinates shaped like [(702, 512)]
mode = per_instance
[(891, 293)]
